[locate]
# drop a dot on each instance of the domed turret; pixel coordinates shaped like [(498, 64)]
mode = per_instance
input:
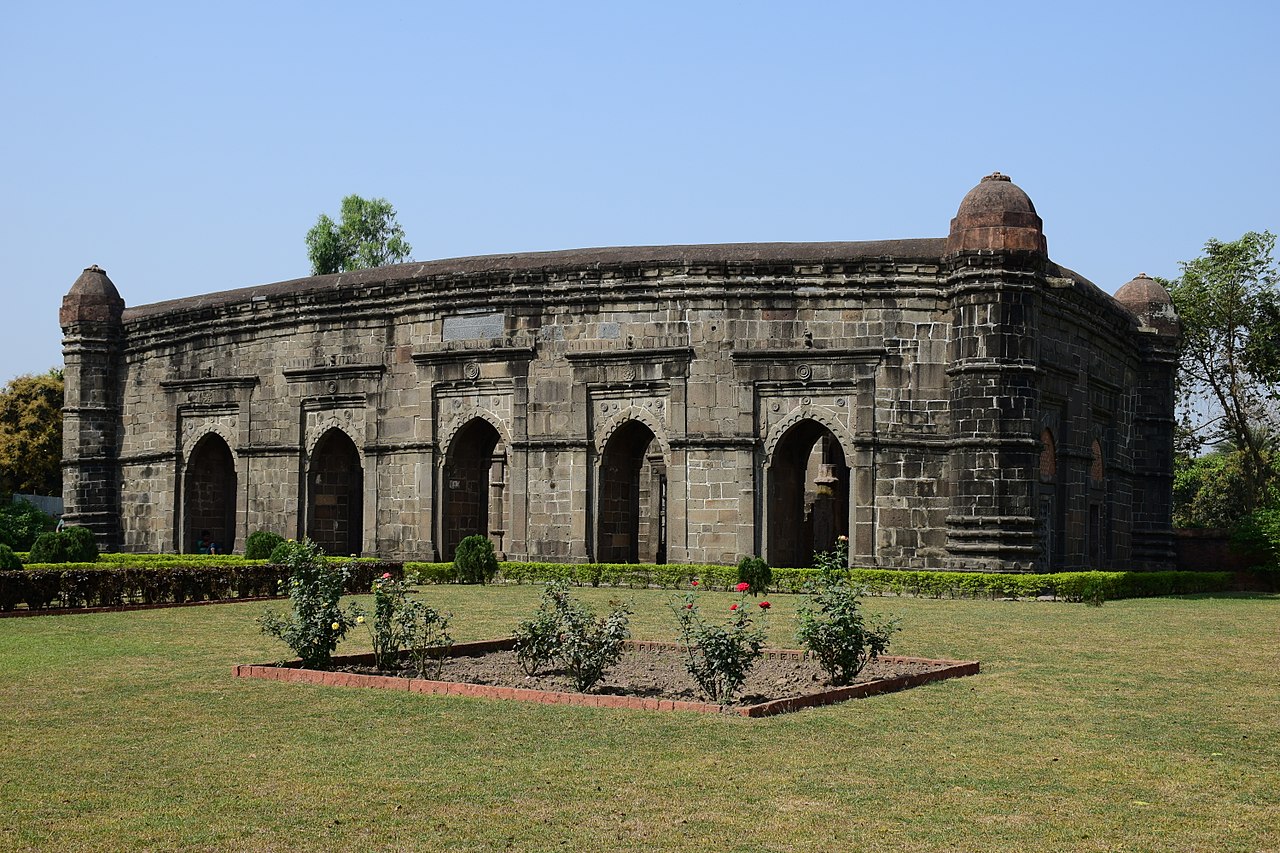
[(997, 215), (92, 299), (1147, 300)]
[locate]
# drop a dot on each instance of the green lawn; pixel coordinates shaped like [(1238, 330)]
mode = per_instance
[(1142, 725)]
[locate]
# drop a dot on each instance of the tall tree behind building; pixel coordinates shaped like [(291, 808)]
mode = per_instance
[(31, 434), (368, 236), (1229, 371)]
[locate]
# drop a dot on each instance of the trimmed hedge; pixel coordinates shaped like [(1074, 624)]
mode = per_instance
[(89, 585), (1069, 586)]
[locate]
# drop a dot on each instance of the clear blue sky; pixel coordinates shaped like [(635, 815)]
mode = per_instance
[(188, 147)]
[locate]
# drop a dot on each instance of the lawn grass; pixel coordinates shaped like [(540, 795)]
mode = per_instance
[(1146, 724)]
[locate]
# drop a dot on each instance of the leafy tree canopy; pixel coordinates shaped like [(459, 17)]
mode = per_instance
[(1229, 370), (368, 236), (31, 434)]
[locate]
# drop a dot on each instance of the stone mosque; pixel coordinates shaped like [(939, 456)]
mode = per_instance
[(957, 402)]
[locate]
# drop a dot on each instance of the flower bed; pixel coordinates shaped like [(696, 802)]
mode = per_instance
[(478, 661)]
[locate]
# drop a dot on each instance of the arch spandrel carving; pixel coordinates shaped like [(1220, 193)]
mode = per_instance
[(195, 431), (459, 421), (350, 423), (819, 414), (616, 420)]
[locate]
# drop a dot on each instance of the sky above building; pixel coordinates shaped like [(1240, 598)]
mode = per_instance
[(188, 148)]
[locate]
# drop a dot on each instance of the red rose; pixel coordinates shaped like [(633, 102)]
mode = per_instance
[(764, 605), (695, 583), (743, 587), (733, 607), (688, 607)]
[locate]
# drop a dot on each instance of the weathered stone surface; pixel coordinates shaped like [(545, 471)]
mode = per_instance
[(946, 403)]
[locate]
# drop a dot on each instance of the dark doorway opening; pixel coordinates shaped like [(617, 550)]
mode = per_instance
[(335, 486), (474, 478), (209, 498), (808, 495), (633, 496)]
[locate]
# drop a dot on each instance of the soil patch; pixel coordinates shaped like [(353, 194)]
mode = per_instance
[(649, 676)]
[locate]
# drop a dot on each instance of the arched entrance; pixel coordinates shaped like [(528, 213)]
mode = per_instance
[(632, 516), (474, 478), (335, 490), (808, 495), (209, 498)]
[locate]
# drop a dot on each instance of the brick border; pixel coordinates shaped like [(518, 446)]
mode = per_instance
[(292, 672)]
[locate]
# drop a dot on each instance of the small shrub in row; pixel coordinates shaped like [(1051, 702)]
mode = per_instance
[(72, 545), (566, 633)]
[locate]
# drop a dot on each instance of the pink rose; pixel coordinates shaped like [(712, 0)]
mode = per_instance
[(743, 587), (386, 576)]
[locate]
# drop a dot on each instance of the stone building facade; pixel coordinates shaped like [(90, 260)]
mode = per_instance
[(959, 402)]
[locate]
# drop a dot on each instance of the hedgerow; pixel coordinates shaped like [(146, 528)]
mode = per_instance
[(93, 585)]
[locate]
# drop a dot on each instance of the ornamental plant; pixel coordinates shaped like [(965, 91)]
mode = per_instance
[(8, 560), (832, 629), (835, 562), (260, 544), (400, 623), (474, 561), (718, 656), (316, 623), (566, 631), (755, 573), (426, 633), (538, 638)]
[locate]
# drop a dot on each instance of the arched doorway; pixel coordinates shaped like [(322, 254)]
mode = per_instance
[(335, 490), (631, 515), (808, 495), (209, 498), (474, 478)]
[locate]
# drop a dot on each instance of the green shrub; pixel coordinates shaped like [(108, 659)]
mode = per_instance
[(317, 623), (538, 638), (82, 546), (8, 560), (719, 656), (832, 629), (260, 544), (475, 561), (568, 632), (21, 523), (400, 623), (755, 573), (1260, 533), (49, 548)]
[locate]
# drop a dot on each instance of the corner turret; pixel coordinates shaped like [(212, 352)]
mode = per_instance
[(92, 353)]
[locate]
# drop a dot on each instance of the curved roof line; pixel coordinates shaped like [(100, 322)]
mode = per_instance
[(569, 259)]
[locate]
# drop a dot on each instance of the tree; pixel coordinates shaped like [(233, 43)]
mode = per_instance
[(31, 434), (1229, 363), (368, 236)]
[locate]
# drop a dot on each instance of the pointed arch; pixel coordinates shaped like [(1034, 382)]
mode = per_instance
[(807, 474), (335, 494), (473, 482), (631, 491), (209, 496)]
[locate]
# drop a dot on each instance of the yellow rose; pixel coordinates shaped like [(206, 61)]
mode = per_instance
[(336, 626), (359, 620)]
